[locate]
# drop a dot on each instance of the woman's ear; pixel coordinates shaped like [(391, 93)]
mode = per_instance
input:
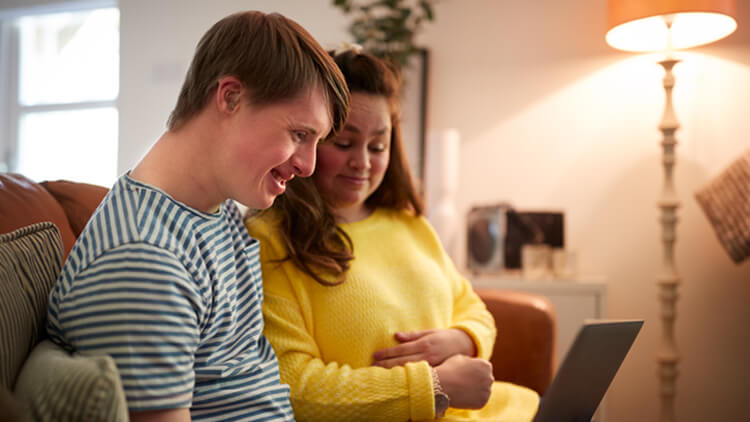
[(228, 94)]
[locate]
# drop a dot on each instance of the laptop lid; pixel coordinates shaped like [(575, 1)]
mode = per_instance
[(589, 367)]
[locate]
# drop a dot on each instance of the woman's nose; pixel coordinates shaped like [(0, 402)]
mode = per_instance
[(360, 160)]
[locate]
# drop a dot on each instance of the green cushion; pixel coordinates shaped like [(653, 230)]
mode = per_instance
[(57, 386), (30, 262)]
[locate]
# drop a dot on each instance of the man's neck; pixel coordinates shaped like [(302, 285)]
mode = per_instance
[(180, 165)]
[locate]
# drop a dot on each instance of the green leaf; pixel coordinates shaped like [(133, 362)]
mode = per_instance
[(427, 9)]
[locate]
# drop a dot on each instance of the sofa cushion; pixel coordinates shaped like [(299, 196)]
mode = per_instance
[(12, 409), (78, 200), (24, 202), (30, 262), (57, 386)]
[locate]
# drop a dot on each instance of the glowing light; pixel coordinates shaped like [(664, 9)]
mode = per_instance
[(687, 30)]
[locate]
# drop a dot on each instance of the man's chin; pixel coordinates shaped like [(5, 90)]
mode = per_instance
[(260, 203)]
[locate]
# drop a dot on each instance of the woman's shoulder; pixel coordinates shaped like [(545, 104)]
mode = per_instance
[(263, 224), (402, 216)]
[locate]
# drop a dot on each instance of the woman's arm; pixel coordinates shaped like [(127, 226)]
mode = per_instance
[(433, 345), (331, 391)]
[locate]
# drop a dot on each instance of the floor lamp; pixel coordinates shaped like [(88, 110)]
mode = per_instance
[(665, 26)]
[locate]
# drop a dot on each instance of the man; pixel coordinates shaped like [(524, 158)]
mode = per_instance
[(165, 278)]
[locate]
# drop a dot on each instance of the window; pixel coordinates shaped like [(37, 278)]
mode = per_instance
[(61, 110)]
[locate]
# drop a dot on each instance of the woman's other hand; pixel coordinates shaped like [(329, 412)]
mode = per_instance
[(467, 381), (433, 346)]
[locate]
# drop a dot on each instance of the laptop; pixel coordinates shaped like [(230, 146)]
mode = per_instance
[(588, 369)]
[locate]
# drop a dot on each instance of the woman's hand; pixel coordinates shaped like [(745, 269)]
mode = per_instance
[(434, 346), (467, 381)]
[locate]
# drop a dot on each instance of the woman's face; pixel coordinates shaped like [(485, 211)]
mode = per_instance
[(352, 165)]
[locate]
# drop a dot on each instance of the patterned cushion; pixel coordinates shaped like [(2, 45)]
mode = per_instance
[(30, 261), (57, 386), (726, 202)]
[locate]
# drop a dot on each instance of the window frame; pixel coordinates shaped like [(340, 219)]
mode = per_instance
[(11, 109)]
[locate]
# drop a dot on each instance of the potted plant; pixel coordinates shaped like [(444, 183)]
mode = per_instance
[(388, 28)]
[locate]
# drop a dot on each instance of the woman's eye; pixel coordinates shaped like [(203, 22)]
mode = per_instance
[(342, 144), (377, 147)]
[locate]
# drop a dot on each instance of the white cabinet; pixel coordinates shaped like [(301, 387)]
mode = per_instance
[(574, 302)]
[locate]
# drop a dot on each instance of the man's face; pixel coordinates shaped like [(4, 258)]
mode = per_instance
[(269, 145)]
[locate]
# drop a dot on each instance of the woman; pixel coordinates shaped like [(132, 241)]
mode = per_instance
[(367, 314)]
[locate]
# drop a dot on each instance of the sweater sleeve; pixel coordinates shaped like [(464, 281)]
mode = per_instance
[(469, 312), (471, 315), (329, 391)]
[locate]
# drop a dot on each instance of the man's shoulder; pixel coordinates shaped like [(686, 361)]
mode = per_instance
[(125, 222), (115, 221)]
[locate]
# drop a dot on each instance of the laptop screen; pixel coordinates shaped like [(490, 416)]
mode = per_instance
[(587, 370)]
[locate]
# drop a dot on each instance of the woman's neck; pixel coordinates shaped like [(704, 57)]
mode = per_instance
[(352, 214)]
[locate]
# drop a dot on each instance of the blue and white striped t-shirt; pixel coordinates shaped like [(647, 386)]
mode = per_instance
[(174, 296)]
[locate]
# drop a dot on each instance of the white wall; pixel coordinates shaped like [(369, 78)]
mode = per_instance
[(549, 117)]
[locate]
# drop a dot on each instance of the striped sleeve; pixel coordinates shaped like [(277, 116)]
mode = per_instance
[(139, 305)]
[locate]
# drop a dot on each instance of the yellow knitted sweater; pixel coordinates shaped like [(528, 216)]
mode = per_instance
[(400, 280)]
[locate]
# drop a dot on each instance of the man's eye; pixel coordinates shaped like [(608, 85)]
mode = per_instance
[(300, 135)]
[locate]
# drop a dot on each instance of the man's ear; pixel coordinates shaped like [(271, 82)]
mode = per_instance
[(228, 94)]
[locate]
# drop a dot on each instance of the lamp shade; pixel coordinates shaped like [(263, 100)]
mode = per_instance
[(659, 25)]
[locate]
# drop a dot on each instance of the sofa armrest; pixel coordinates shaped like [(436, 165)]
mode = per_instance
[(524, 351)]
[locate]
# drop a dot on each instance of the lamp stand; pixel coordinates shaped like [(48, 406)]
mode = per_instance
[(668, 280)]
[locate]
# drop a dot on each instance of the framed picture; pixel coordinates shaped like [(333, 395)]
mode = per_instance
[(413, 113)]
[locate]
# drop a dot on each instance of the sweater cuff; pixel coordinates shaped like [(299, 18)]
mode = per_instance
[(421, 393), (483, 343)]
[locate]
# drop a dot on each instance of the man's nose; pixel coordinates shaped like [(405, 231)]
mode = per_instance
[(303, 160)]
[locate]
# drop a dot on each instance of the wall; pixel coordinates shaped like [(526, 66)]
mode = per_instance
[(549, 117)]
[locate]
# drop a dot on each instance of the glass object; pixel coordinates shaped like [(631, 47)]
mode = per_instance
[(564, 263), (536, 261)]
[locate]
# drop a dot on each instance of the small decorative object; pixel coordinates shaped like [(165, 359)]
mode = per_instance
[(442, 169), (388, 28), (485, 238), (564, 264), (497, 233), (726, 202), (536, 261)]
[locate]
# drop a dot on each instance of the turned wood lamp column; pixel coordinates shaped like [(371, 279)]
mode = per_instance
[(661, 26), (669, 280)]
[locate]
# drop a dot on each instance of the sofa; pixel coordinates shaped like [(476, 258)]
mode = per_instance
[(39, 223)]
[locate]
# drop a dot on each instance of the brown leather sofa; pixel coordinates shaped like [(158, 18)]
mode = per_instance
[(524, 350)]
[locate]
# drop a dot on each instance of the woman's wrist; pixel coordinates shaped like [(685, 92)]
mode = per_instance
[(468, 347), (442, 401)]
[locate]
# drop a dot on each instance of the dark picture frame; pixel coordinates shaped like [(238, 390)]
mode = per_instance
[(414, 112)]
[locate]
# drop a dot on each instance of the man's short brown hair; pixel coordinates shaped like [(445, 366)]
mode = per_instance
[(275, 59)]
